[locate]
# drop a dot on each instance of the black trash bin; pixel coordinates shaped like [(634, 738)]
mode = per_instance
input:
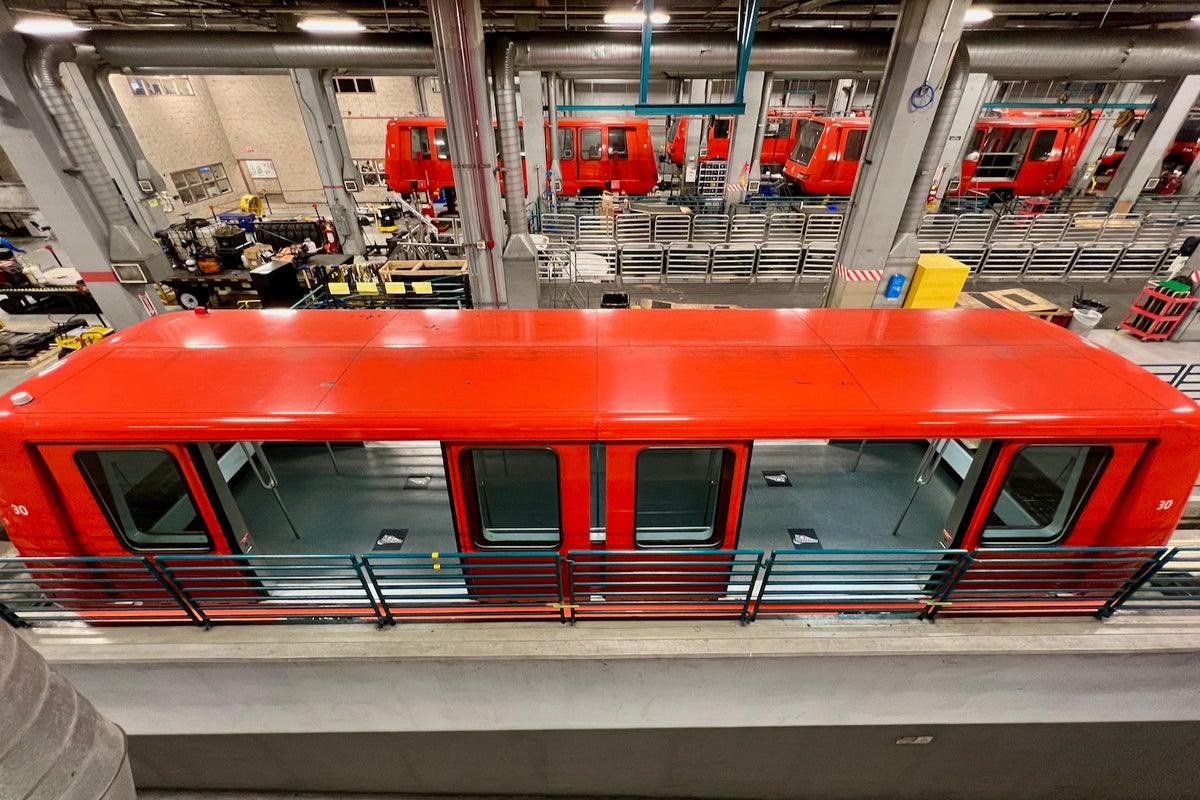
[(614, 300)]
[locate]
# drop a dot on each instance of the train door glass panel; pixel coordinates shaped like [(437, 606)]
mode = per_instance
[(855, 139), (440, 144), (145, 498), (618, 143), (567, 155), (514, 492), (591, 152), (1043, 145), (1003, 152), (1044, 490), (681, 497), (720, 128), (808, 136), (419, 142)]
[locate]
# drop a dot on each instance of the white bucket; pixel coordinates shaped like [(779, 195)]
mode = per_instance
[(1083, 320)]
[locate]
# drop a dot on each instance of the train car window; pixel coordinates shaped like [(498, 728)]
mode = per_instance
[(589, 144), (720, 128), (516, 493), (808, 135), (144, 497), (773, 129), (1044, 491), (855, 139), (1003, 152), (566, 144), (419, 139), (681, 496), (440, 145), (618, 143), (1043, 145)]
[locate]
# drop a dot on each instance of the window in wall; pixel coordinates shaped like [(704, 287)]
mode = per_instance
[(855, 138), (144, 497), (201, 183), (165, 85), (681, 495), (354, 85), (589, 144), (1043, 493), (1043, 145), (372, 171), (618, 143), (516, 494), (440, 144), (419, 142)]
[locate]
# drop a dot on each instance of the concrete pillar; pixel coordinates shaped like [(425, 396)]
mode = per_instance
[(461, 57), (979, 87), (1104, 134), (1144, 158), (926, 36), (842, 98), (37, 149), (119, 149), (747, 132), (1191, 182), (697, 93), (323, 123), (533, 133)]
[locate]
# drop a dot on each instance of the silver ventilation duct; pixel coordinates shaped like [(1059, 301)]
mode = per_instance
[(504, 87), (1092, 55)]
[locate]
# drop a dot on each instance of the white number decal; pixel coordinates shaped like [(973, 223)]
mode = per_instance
[(1163, 505), (20, 511)]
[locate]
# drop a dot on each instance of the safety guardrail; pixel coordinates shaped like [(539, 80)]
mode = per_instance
[(390, 588), (1184, 377)]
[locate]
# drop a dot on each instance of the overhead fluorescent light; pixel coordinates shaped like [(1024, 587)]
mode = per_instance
[(330, 25), (636, 18), (977, 14), (47, 26), (1196, 19)]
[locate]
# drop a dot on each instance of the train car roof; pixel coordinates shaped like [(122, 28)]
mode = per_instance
[(578, 374)]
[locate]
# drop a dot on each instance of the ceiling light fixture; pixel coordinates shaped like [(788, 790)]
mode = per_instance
[(330, 25), (47, 26), (1196, 19), (636, 18), (977, 14)]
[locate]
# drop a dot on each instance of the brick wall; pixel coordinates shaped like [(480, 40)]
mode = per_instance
[(365, 116), (179, 132)]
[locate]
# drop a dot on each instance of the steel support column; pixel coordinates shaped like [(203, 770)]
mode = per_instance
[(747, 133), (979, 87), (1104, 134), (697, 128), (841, 99), (533, 134), (461, 59), (1144, 158), (926, 36), (323, 123)]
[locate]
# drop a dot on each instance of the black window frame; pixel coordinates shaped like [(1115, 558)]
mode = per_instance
[(583, 156), (470, 489), (721, 128), (856, 137), (622, 154), (567, 150), (795, 155), (720, 511), (1041, 152), (115, 525), (419, 132), (1068, 525), (441, 144)]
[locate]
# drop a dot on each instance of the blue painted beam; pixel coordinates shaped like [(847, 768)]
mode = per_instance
[(647, 32), (662, 109)]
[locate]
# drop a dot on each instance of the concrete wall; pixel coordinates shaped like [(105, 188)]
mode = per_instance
[(365, 116), (8, 173)]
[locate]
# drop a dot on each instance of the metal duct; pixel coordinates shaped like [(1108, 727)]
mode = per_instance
[(761, 131), (380, 53), (504, 73), (939, 132), (552, 114), (1098, 55), (42, 60)]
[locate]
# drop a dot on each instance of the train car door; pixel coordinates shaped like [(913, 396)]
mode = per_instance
[(846, 168), (421, 153), (591, 167), (568, 155), (1041, 162), (622, 145), (145, 498)]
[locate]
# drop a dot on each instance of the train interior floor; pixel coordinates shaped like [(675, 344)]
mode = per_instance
[(800, 494)]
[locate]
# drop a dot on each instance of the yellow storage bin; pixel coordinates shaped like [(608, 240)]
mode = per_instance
[(937, 282)]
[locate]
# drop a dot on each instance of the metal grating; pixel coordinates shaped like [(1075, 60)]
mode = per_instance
[(1085, 227), (688, 261), (935, 231), (748, 228), (1050, 262), (633, 228), (733, 262), (1157, 229), (596, 230), (823, 227), (1005, 261), (969, 253), (1140, 260), (672, 228), (819, 261), (554, 261), (1011, 229), (786, 227), (560, 226), (712, 228), (1048, 228), (1096, 261), (642, 263), (778, 262), (1120, 228), (973, 227)]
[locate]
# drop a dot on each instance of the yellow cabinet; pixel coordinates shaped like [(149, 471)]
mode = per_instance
[(937, 282)]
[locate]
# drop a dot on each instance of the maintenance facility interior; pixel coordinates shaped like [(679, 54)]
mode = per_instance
[(654, 157)]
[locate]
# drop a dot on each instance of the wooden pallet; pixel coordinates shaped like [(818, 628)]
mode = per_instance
[(25, 363)]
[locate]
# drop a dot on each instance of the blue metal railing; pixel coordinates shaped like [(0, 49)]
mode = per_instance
[(389, 588)]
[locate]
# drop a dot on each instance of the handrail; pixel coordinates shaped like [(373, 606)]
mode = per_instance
[(388, 588)]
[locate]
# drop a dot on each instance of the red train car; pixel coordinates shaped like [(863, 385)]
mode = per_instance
[(1009, 156), (778, 139), (596, 155), (591, 430)]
